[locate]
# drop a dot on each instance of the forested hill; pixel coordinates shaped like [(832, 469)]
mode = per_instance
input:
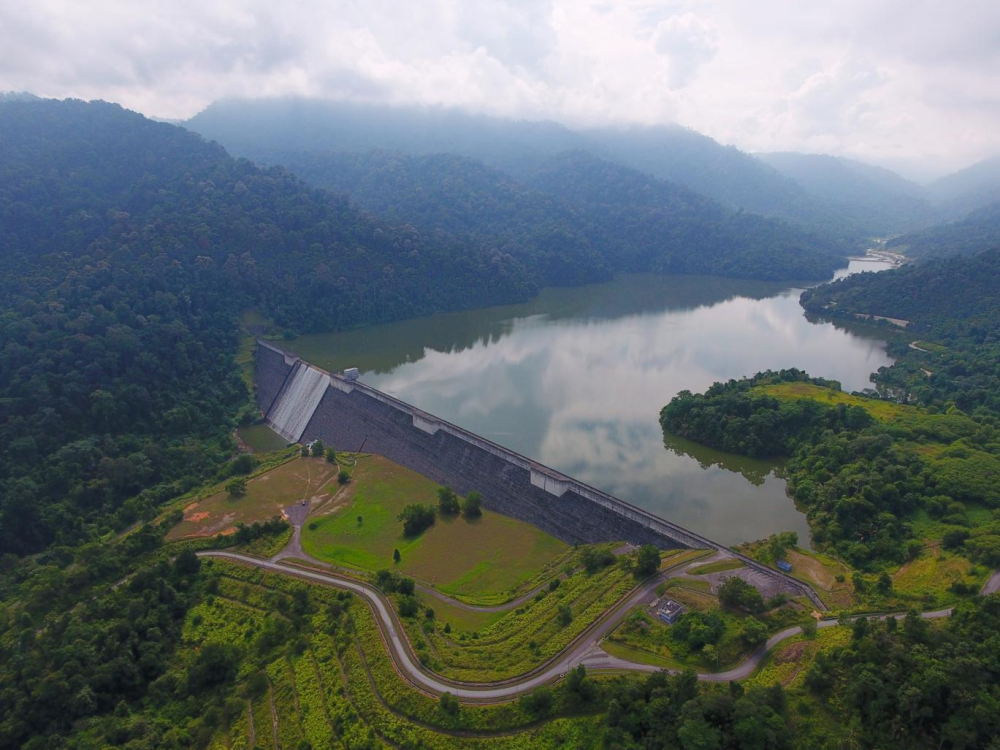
[(464, 197), (963, 291), (574, 217), (953, 309), (661, 226), (879, 199), (128, 248), (978, 231), (75, 173)]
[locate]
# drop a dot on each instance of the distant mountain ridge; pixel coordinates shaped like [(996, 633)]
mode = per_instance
[(978, 231), (258, 129), (571, 207), (876, 196)]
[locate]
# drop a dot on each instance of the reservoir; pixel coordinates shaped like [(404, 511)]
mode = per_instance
[(576, 378)]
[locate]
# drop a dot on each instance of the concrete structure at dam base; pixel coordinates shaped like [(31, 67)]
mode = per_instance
[(302, 403)]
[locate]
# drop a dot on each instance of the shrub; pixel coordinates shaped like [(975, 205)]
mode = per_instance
[(472, 505), (595, 559), (449, 704), (343, 476), (243, 464), (407, 607), (565, 615), (416, 518), (538, 703), (236, 487), (448, 501)]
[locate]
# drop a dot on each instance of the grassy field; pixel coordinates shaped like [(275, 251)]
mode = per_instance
[(267, 494), (473, 558), (716, 567)]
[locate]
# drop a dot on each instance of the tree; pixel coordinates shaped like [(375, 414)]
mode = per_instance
[(754, 632), (343, 476), (360, 520), (736, 593), (243, 464), (565, 615), (577, 684), (187, 562), (416, 518), (318, 449), (778, 544), (304, 450), (884, 584), (809, 628), (407, 606), (236, 487), (429, 613), (647, 561), (595, 559), (396, 557), (449, 704), (697, 734), (539, 702), (472, 505), (448, 501)]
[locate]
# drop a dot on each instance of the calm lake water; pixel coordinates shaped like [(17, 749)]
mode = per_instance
[(576, 379)]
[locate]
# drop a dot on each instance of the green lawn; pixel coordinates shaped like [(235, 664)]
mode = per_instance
[(465, 557), (716, 567)]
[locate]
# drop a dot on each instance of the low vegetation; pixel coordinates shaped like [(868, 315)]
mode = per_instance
[(484, 557)]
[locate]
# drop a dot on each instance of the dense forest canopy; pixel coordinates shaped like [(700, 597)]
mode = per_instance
[(574, 217)]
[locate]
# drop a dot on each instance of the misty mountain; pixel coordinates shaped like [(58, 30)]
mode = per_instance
[(573, 216), (259, 128), (268, 129), (964, 191), (666, 227), (111, 187), (876, 196), (978, 231)]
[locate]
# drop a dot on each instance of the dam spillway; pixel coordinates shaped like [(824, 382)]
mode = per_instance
[(351, 416), (297, 402)]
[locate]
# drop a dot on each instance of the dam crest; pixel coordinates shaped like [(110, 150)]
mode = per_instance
[(302, 403)]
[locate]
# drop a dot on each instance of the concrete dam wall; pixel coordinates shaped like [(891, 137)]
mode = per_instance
[(351, 416)]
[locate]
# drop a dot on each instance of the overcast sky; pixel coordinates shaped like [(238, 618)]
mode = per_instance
[(906, 83)]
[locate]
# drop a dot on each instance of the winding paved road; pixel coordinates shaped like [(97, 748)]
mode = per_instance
[(584, 650)]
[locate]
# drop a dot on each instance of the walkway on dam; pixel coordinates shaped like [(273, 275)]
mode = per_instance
[(585, 649)]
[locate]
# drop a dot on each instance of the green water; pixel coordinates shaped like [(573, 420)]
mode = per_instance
[(261, 438), (576, 378)]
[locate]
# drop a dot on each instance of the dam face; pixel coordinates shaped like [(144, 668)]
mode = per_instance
[(350, 416)]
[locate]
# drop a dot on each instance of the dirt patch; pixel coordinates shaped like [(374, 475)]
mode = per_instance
[(791, 653), (267, 496)]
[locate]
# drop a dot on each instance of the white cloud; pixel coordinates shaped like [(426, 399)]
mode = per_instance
[(885, 81)]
